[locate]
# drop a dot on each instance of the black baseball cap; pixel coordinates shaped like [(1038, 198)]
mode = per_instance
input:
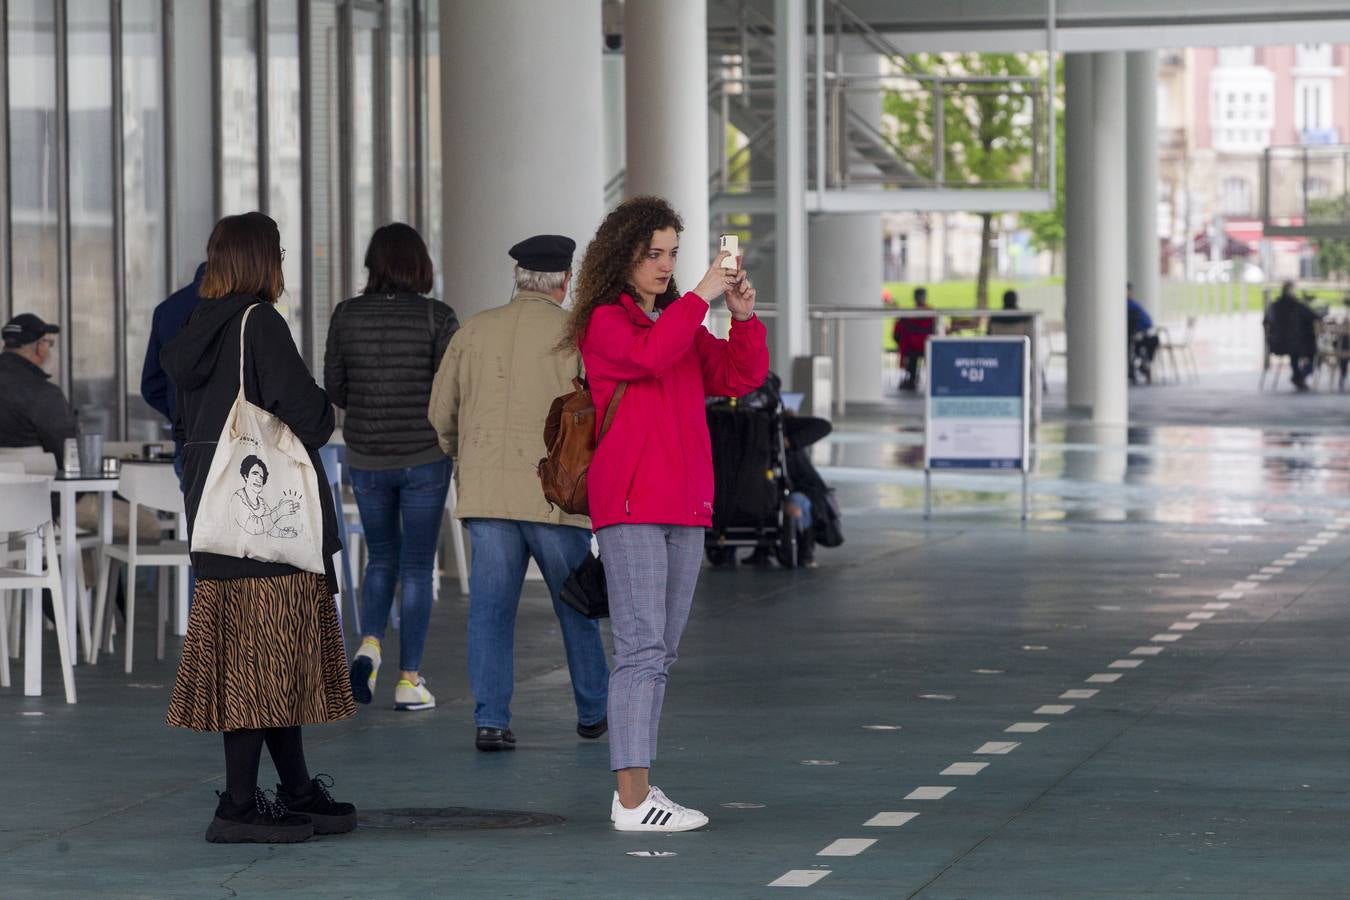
[(26, 328), (544, 253)]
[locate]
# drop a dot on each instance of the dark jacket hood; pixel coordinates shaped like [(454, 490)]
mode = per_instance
[(191, 357)]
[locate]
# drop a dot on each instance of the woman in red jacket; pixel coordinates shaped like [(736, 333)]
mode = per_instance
[(650, 485)]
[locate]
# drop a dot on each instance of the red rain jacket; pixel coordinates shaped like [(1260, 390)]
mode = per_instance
[(654, 466)]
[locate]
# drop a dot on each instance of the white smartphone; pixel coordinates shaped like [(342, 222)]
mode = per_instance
[(731, 244)]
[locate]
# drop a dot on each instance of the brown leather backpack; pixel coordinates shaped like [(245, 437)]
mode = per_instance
[(569, 436)]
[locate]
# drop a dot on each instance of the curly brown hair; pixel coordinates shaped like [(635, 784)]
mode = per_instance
[(621, 240)]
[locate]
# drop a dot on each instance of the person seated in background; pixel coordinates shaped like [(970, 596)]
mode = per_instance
[(1143, 342), (911, 338), (33, 411), (1010, 324), (1023, 325), (1291, 330)]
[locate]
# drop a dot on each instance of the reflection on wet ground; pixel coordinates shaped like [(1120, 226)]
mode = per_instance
[(1247, 458)]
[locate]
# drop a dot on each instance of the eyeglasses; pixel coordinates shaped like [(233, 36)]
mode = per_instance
[(283, 252)]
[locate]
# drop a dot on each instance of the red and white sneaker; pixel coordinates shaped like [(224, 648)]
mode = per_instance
[(657, 813)]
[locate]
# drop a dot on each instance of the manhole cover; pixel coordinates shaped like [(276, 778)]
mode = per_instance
[(456, 818)]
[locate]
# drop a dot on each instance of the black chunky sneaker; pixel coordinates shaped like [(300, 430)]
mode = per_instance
[(257, 821), (489, 739), (591, 732), (328, 815)]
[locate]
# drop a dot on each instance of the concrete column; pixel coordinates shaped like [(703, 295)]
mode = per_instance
[(1095, 224), (615, 141), (1079, 311), (1141, 157), (792, 326), (521, 135), (846, 269), (666, 112)]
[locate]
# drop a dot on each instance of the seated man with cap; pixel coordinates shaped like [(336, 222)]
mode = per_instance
[(33, 411), (491, 395)]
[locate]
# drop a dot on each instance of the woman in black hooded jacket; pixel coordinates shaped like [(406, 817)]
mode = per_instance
[(264, 652)]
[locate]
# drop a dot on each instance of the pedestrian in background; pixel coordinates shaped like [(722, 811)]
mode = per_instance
[(491, 396), (383, 349)]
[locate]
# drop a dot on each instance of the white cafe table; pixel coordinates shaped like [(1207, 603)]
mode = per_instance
[(66, 487)]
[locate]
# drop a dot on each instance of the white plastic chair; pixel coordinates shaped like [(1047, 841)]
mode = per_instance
[(25, 508), (154, 486)]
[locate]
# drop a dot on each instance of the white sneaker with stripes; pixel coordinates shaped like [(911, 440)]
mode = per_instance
[(657, 813)]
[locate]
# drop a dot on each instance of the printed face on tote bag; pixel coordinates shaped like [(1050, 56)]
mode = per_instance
[(255, 513), (260, 498)]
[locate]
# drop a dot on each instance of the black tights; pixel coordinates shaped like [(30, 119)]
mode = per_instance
[(243, 752)]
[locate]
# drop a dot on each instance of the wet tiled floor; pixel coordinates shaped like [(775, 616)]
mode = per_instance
[(1139, 692)]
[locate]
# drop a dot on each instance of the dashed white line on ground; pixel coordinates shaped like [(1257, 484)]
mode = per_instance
[(1217, 605), (1146, 651), (1126, 664), (1184, 626), (929, 792), (1201, 616), (799, 878), (998, 748), (1025, 727), (964, 768), (1053, 709), (1079, 694), (889, 819), (1104, 678), (847, 847), (1166, 638)]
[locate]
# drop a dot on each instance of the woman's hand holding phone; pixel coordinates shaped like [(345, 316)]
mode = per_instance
[(716, 280)]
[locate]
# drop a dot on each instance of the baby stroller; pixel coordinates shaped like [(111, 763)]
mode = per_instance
[(750, 485)]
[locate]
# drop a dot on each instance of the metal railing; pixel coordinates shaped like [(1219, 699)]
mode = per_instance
[(828, 332), (1305, 191), (848, 146)]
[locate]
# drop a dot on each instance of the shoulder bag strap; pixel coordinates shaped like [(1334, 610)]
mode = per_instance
[(431, 322), (613, 408), (243, 322)]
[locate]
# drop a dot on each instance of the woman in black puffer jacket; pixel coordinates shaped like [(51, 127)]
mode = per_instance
[(383, 350)]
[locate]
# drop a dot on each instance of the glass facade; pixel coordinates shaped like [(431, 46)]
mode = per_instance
[(33, 180), (143, 200), (321, 112), (91, 337)]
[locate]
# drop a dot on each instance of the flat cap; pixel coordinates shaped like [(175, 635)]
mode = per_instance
[(544, 253), (26, 328)]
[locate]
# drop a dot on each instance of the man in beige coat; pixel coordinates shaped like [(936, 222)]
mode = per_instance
[(488, 404)]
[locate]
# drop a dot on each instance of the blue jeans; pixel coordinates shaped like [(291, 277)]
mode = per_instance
[(401, 513), (501, 551)]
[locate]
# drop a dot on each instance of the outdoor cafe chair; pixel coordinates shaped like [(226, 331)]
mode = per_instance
[(153, 485), (26, 510)]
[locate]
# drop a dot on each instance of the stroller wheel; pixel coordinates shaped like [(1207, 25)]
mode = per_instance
[(721, 556)]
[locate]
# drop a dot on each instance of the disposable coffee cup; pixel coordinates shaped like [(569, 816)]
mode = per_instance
[(91, 454)]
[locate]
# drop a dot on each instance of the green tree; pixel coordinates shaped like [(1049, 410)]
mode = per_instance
[(987, 131), (1333, 254)]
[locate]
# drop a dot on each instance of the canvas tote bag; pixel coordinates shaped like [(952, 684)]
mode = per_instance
[(261, 499)]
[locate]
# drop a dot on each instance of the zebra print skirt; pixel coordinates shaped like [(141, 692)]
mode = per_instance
[(261, 653)]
